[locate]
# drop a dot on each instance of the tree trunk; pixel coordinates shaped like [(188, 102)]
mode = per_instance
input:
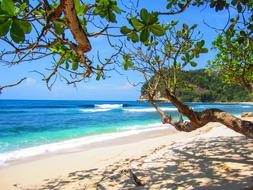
[(200, 119), (83, 43)]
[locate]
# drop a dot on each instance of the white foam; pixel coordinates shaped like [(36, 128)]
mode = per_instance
[(246, 106), (147, 109), (141, 127), (94, 110), (111, 106), (75, 143)]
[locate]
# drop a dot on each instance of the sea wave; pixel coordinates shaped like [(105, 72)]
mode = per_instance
[(246, 106), (94, 110), (141, 127), (74, 144), (147, 109), (111, 106)]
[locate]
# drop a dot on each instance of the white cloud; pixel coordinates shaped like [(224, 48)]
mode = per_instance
[(126, 86), (31, 81)]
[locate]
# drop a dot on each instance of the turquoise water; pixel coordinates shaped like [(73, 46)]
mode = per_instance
[(30, 123)]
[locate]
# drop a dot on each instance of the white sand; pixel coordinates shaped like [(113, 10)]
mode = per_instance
[(213, 157)]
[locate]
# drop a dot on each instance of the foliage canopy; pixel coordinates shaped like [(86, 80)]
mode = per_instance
[(63, 29), (201, 86)]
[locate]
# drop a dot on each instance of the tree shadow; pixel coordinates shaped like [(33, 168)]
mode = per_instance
[(214, 164)]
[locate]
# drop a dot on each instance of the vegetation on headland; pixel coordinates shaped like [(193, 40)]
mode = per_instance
[(142, 41), (202, 86)]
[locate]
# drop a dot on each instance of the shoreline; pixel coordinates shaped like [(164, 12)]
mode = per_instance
[(72, 170), (83, 144), (166, 101), (160, 156), (99, 155), (112, 101)]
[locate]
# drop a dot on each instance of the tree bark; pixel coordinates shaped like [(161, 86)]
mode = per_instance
[(200, 119), (74, 25), (80, 36)]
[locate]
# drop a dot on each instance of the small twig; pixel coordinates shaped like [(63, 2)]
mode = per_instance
[(11, 85)]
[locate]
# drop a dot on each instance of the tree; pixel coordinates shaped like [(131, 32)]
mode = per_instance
[(201, 86), (177, 49), (58, 29), (62, 29), (234, 61), (161, 62)]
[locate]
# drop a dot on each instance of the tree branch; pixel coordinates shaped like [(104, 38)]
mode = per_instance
[(200, 119), (11, 85), (187, 3), (78, 33)]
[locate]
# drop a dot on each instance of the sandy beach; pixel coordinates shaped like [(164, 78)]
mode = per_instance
[(213, 157)]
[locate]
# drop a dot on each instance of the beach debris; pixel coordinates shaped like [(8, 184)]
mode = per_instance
[(226, 168), (135, 179)]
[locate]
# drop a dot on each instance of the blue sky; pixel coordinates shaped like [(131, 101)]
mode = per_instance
[(114, 88)]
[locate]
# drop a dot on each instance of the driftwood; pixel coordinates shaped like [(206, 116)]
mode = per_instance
[(135, 179)]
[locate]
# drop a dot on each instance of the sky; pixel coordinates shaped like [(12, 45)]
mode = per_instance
[(117, 86)]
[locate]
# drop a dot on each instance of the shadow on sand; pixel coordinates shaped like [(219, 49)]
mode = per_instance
[(215, 164)]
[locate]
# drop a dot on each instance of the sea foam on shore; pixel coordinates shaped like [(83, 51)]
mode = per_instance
[(76, 144)]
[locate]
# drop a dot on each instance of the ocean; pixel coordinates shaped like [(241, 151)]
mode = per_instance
[(33, 127)]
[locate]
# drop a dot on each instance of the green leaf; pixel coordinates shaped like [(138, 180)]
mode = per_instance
[(26, 26), (116, 9), (157, 30), (234, 2), (4, 28), (58, 28), (193, 26), (74, 65), (17, 33), (144, 34), (243, 33), (67, 65), (250, 27), (153, 18), (185, 26), (202, 43), (3, 18), (125, 30), (239, 7), (145, 16), (137, 24), (98, 73), (8, 6), (22, 8), (128, 64), (133, 36), (240, 39), (157, 58), (212, 4), (111, 17), (61, 61), (78, 7), (204, 50), (193, 64), (174, 23)]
